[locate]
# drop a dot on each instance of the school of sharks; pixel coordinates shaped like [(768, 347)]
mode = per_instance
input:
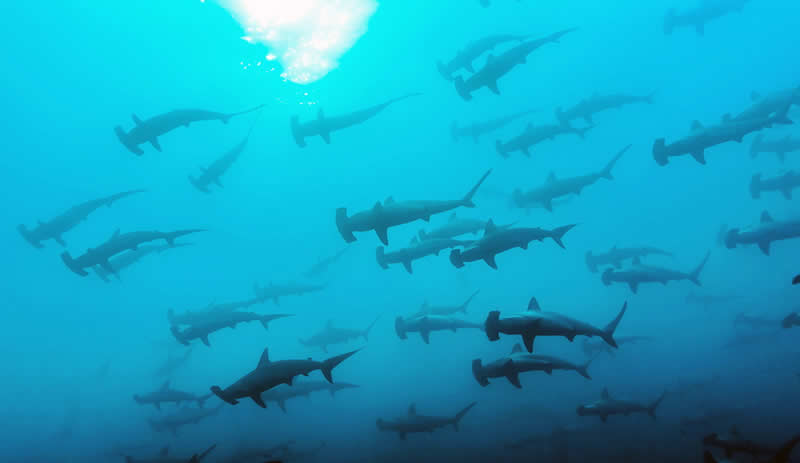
[(523, 372)]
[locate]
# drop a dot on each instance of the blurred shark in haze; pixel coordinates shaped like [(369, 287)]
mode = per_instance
[(455, 226), (331, 335), (427, 309), (414, 423), (784, 184), (703, 138), (496, 240), (416, 250), (128, 258), (164, 457), (275, 292), (472, 51), (765, 106), (166, 395), (592, 348), (737, 445), (518, 362), (426, 323), (764, 234), (707, 300), (607, 405), (118, 243), (558, 187), (535, 322), (588, 107), (392, 213), (282, 393), (324, 125), (533, 135), (56, 227), (322, 266), (639, 274), (497, 67), (615, 256), (212, 312), (476, 129), (779, 146), (697, 17), (148, 130), (182, 417), (220, 321), (172, 364), (269, 374), (220, 166)]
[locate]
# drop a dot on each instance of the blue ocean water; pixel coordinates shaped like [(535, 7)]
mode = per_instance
[(76, 349)]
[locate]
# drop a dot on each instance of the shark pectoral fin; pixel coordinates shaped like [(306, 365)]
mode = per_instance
[(427, 218), (699, 156), (258, 400), (764, 246), (154, 141), (136, 119), (493, 87), (326, 136), (469, 68), (634, 286), (106, 265), (60, 241), (548, 204), (526, 151), (407, 265), (218, 183), (549, 371), (528, 339), (513, 378), (425, 336), (490, 261), (282, 404), (524, 245), (383, 235), (205, 340)]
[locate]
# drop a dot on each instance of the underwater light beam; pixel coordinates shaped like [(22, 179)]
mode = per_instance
[(307, 37)]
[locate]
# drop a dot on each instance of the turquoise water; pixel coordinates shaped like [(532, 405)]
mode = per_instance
[(77, 349)]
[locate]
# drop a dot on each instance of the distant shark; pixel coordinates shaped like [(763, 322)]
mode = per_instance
[(779, 146), (615, 256), (608, 405), (148, 130), (588, 107), (518, 362), (699, 16), (473, 50), (475, 130), (784, 184), (165, 395), (415, 423), (332, 334), (639, 274), (183, 417), (218, 168), (763, 235)]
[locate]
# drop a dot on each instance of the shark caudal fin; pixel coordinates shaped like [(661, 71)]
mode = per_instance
[(608, 331), (583, 370), (23, 230), (463, 307), (343, 224), (651, 409), (755, 186), (400, 327), (669, 21), (460, 415), (126, 141), (328, 365), (467, 200), (558, 233), (172, 236), (478, 373), (755, 146), (456, 258), (491, 326), (660, 152), (694, 277), (443, 71), (606, 172), (590, 262), (73, 265), (366, 331), (221, 394), (380, 256), (461, 88)]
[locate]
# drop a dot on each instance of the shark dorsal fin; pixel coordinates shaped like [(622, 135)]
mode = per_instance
[(136, 119), (452, 217), (165, 386), (377, 207), (264, 360), (696, 125), (551, 177), (164, 451), (605, 395), (516, 348), (533, 305), (389, 200), (754, 95), (490, 228), (766, 218), (412, 409), (726, 118)]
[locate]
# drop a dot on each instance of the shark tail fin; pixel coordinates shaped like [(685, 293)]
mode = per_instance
[(669, 21), (463, 307), (608, 331), (660, 152), (369, 327), (380, 256), (755, 147), (491, 325), (583, 370), (786, 450), (328, 365), (467, 200), (606, 172), (23, 230), (755, 186), (651, 410), (589, 258), (460, 415), (694, 277), (558, 233), (478, 373), (343, 224)]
